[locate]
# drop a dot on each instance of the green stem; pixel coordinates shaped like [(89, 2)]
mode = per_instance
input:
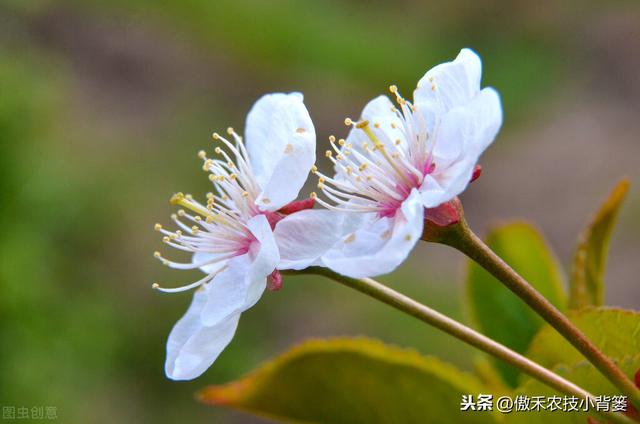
[(461, 237), (434, 318)]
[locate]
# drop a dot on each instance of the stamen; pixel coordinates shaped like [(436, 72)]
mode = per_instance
[(364, 125)]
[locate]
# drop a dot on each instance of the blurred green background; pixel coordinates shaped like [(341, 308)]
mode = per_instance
[(103, 106)]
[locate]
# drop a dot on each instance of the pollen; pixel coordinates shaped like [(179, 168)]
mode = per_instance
[(266, 201), (288, 148), (301, 130), (351, 238)]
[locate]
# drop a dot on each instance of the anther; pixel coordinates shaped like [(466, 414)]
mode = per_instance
[(230, 130), (348, 122), (362, 124), (313, 195), (157, 227), (176, 198), (332, 138), (215, 136), (202, 154)]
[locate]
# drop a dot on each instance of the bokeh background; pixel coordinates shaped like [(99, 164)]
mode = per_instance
[(103, 106)]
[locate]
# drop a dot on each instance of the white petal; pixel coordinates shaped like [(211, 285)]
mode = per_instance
[(451, 84), (438, 188), (266, 258), (303, 237), (464, 133), (381, 245), (486, 110), (280, 140), (241, 285), (192, 347)]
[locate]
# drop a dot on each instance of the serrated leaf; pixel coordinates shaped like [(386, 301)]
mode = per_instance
[(352, 381), (614, 331), (582, 374), (499, 313), (587, 285)]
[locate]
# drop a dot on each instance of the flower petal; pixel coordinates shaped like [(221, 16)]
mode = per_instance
[(280, 140), (486, 109), (464, 133), (303, 237), (451, 84), (381, 244), (241, 285), (192, 347), (266, 258)]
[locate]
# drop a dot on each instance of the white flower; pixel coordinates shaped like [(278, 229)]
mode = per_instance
[(231, 236), (395, 162)]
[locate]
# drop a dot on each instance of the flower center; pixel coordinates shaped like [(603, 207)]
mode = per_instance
[(380, 174), (218, 229)]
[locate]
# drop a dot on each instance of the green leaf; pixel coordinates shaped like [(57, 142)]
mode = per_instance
[(499, 313), (614, 331), (587, 286), (352, 381), (583, 375)]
